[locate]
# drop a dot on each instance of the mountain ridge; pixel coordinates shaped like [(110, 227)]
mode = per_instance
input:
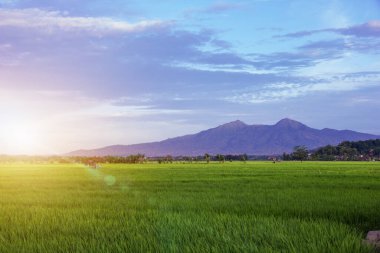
[(236, 137)]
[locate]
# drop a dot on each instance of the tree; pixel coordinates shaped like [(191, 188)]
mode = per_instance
[(207, 158), (286, 157), (244, 157), (169, 159), (300, 153), (220, 158)]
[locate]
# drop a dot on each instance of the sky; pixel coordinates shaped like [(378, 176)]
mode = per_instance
[(86, 74)]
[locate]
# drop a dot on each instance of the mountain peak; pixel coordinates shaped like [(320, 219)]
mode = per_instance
[(286, 122), (233, 124)]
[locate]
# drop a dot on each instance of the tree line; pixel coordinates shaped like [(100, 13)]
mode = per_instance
[(346, 151), (205, 158), (88, 160), (131, 159)]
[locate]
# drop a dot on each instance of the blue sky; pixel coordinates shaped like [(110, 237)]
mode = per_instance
[(84, 74)]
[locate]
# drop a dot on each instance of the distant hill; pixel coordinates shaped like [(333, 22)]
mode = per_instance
[(237, 138)]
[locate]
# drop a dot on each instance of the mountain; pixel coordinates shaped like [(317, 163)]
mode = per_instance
[(237, 138)]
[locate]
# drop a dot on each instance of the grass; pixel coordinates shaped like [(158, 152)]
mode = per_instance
[(230, 207)]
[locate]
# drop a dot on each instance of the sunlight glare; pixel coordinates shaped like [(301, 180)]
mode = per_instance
[(22, 137)]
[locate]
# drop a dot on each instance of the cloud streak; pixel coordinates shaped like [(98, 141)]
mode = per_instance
[(216, 8), (282, 91), (368, 29), (50, 21)]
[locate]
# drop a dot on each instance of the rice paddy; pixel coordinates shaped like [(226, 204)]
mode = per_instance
[(229, 207)]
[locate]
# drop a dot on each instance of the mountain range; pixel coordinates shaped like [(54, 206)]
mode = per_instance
[(236, 138)]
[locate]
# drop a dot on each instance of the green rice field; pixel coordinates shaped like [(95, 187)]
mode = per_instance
[(230, 207)]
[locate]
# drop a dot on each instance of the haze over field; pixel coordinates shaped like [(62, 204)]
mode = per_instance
[(87, 74)]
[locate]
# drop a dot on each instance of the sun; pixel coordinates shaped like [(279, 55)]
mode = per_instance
[(21, 137)]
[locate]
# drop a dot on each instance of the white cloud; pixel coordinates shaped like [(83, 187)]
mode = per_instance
[(283, 91), (49, 21), (375, 24), (128, 111), (270, 93)]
